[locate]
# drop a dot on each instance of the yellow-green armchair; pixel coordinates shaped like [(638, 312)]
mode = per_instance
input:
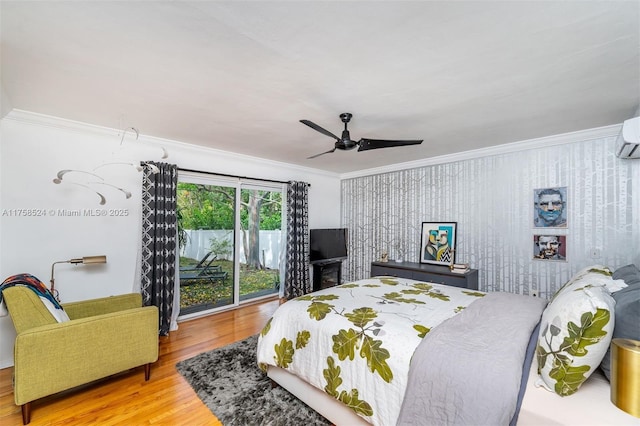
[(103, 337)]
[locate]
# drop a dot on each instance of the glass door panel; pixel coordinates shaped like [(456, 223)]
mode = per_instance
[(206, 226), (260, 241)]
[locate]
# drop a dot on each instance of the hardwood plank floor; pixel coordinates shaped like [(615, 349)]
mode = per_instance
[(126, 399)]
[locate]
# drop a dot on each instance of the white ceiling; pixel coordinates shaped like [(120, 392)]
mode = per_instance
[(238, 76)]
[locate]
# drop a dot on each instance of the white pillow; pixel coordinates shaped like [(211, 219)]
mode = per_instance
[(597, 275), (575, 331)]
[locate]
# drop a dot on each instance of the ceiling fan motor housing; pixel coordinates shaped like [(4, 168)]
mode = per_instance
[(346, 117)]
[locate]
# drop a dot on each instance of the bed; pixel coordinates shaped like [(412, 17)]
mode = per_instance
[(388, 350)]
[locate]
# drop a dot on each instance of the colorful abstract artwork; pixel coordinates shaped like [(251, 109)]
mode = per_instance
[(437, 242)]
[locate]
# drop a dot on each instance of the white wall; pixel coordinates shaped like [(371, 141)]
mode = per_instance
[(5, 102), (34, 148)]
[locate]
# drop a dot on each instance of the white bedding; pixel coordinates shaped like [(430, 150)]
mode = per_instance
[(375, 344), (591, 405)]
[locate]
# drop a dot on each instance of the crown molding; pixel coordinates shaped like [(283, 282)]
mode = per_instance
[(37, 119), (43, 120), (544, 142)]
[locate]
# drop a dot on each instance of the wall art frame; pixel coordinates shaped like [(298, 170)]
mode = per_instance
[(550, 247), (438, 243), (550, 207)]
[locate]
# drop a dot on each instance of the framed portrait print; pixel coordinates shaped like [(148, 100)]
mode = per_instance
[(438, 243), (550, 207), (550, 247)]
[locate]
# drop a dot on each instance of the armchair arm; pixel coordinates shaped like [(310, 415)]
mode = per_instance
[(104, 305), (56, 357)]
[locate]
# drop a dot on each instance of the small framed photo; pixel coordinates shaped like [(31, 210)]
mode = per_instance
[(550, 207), (550, 247), (438, 243)]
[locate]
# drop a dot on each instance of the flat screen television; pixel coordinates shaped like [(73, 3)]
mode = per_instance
[(327, 245)]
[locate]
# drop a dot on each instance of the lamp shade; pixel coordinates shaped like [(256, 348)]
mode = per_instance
[(94, 259)]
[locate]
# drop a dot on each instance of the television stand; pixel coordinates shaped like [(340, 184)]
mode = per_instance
[(327, 274)]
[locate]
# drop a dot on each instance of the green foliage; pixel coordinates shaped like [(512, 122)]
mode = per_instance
[(332, 376), (376, 357), (325, 297), (361, 316), (302, 339), (305, 298), (266, 327), (590, 331), (221, 248), (411, 291), (212, 207), (319, 310), (422, 330), (427, 290), (568, 378), (345, 344), (284, 353), (350, 399), (474, 293), (205, 206), (424, 287), (389, 281), (351, 285), (438, 295), (418, 288), (397, 297)]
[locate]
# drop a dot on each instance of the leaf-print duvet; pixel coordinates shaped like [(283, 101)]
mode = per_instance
[(355, 341)]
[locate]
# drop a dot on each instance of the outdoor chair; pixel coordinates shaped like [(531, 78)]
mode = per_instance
[(210, 273), (204, 262)]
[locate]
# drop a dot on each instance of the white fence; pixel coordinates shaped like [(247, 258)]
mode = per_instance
[(199, 244)]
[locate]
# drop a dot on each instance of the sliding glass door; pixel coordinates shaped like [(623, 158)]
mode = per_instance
[(230, 242), (261, 236)]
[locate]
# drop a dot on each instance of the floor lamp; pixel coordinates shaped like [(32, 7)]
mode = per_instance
[(87, 260)]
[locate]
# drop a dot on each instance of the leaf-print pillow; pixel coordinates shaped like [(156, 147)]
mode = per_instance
[(575, 333)]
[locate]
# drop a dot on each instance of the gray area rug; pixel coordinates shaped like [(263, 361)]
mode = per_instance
[(230, 383)]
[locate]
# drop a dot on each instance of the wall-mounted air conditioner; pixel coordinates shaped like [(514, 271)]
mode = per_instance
[(629, 139)]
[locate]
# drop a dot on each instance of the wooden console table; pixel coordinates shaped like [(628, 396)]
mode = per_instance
[(428, 273)]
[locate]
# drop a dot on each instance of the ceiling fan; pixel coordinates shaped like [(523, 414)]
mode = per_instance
[(345, 142)]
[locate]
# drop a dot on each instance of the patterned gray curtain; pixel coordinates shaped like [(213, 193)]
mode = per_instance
[(296, 278), (159, 239)]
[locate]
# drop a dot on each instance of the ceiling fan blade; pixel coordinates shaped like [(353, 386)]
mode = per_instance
[(322, 153), (317, 128), (366, 144)]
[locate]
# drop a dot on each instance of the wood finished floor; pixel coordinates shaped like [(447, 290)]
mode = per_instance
[(126, 399)]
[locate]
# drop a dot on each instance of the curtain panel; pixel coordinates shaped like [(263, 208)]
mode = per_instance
[(159, 239), (296, 282)]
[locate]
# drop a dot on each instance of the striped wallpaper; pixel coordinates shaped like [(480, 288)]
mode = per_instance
[(491, 200)]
